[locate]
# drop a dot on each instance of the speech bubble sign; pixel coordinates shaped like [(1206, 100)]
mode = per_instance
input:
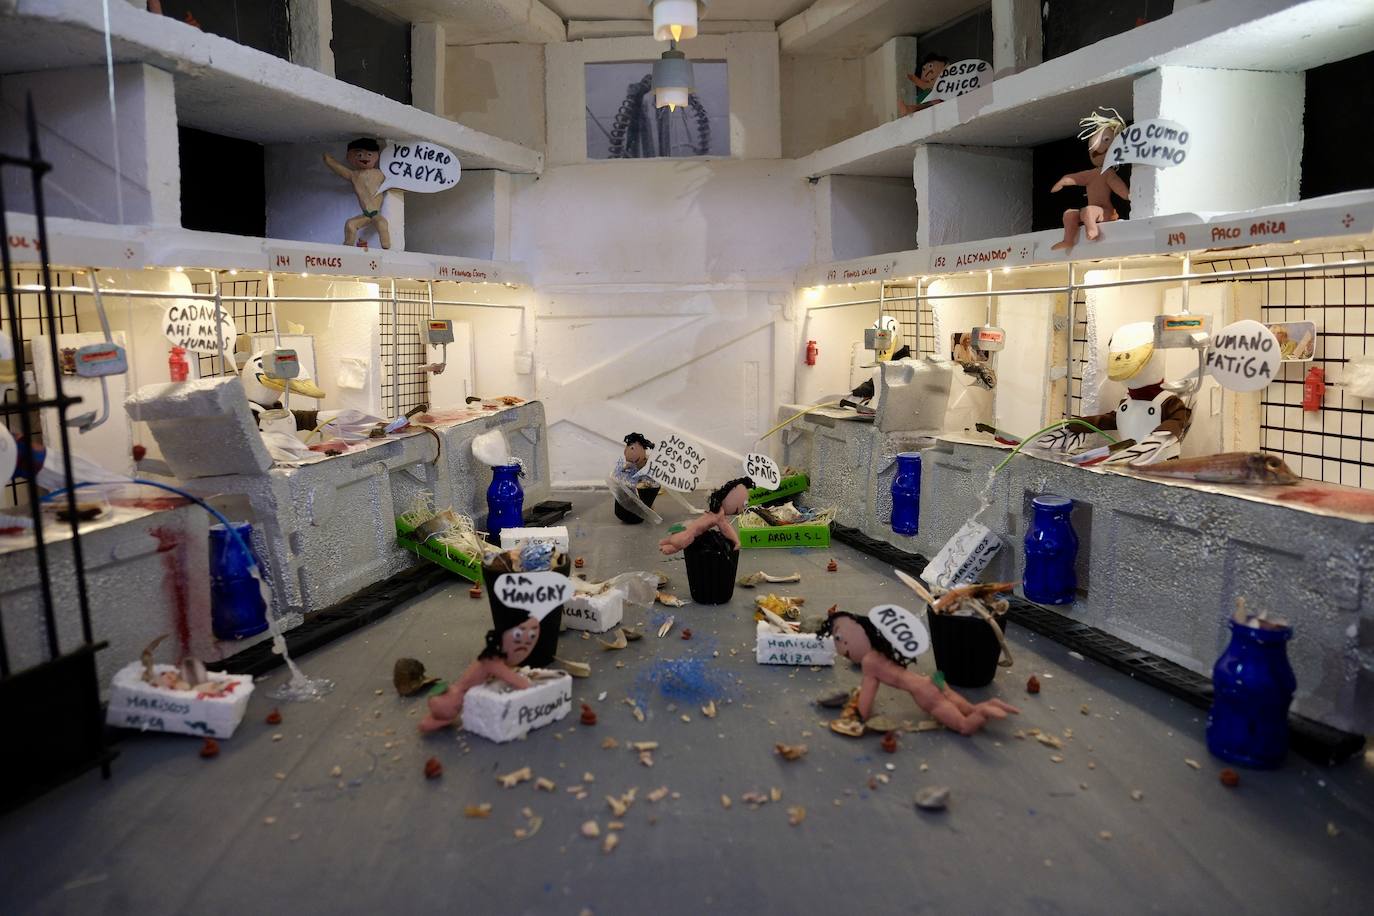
[(191, 326), (9, 454), (536, 592), (961, 78), (763, 470), (1244, 356), (678, 464), (418, 166), (1158, 143), (901, 628)]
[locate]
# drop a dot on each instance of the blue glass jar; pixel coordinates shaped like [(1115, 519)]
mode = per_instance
[(505, 500), (1252, 686), (906, 494), (236, 606), (1051, 550)]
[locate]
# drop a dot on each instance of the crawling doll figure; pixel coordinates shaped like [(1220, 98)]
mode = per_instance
[(505, 651), (857, 639), (729, 500)]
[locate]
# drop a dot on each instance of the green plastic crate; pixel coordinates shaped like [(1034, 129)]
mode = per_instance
[(788, 487), (469, 568)]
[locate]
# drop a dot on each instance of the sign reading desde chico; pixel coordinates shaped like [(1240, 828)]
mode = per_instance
[(763, 470), (1156, 142), (418, 166), (961, 78), (536, 592), (191, 326), (901, 628), (1244, 356), (678, 464)]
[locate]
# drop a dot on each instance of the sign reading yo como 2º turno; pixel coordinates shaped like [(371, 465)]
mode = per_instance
[(1156, 142)]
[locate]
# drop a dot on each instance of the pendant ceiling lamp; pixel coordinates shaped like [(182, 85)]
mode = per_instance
[(676, 20), (672, 80)]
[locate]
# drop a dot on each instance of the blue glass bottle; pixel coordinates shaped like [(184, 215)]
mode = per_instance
[(906, 494), (505, 500), (236, 606), (1051, 549), (1252, 686)]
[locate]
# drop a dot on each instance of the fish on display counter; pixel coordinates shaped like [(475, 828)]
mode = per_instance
[(1252, 468)]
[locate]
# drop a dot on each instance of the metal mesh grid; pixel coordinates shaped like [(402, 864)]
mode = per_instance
[(405, 387), (1078, 351), (902, 305), (1336, 443), (33, 323), (249, 317)]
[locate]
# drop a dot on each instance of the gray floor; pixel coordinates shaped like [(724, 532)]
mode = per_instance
[(172, 833)]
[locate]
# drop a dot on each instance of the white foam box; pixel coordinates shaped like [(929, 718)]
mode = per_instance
[(136, 704), (774, 648), (963, 557), (518, 537), (594, 613), (500, 713)]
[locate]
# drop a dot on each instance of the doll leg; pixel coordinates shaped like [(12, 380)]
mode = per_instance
[(383, 230), (443, 710), (948, 715), (1071, 224), (1091, 217), (351, 228)]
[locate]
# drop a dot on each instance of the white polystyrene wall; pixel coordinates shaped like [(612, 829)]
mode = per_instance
[(663, 293), (819, 103), (966, 193), (469, 220), (868, 215), (306, 202), (1109, 309), (499, 335), (835, 331), (1020, 400), (340, 329)]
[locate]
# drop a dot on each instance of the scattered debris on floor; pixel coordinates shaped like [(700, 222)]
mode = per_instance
[(933, 798), (209, 749), (795, 815), (790, 751), (588, 715), (889, 743), (1229, 778), (433, 768), (478, 811), (514, 778), (1032, 684), (408, 677), (273, 717)]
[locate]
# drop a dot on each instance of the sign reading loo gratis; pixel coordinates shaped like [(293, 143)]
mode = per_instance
[(418, 166), (763, 470)]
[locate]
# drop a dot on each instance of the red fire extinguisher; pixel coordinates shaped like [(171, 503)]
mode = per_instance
[(811, 351), (1314, 389)]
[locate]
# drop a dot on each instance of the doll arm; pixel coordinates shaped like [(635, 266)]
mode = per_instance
[(1074, 179), (868, 691), (338, 168), (1119, 187), (512, 677), (684, 538), (728, 532)]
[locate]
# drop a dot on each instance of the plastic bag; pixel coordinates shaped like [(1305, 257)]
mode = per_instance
[(1359, 378)]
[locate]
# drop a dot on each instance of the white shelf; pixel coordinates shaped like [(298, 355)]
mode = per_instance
[(232, 89), (79, 244), (1335, 216), (1045, 102)]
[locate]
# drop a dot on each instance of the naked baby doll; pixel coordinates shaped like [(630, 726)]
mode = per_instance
[(729, 500), (857, 639), (362, 173), (1099, 130), (505, 650)]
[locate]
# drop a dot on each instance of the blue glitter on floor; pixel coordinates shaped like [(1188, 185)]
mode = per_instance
[(692, 678)]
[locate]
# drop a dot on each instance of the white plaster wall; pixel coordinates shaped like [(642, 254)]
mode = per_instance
[(968, 193), (469, 220), (869, 215), (497, 89), (835, 331), (306, 202), (664, 297), (823, 102), (1020, 401), (341, 330), (428, 66), (500, 335), (76, 136), (885, 71), (752, 59), (1246, 146)]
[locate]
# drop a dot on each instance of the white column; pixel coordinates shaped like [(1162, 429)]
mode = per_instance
[(312, 29), (1245, 149), (885, 72), (427, 65), (1017, 37), (966, 193)]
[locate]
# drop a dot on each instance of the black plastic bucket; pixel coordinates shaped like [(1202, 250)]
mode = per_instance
[(646, 495), (712, 562), (546, 647), (966, 649)]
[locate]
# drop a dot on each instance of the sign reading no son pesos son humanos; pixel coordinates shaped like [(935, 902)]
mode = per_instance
[(191, 326), (1156, 142), (418, 166), (961, 78), (901, 628), (762, 470), (536, 592), (678, 464), (1244, 356)]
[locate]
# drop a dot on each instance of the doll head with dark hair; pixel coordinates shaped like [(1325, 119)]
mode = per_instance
[(856, 636), (728, 499), (513, 641), (637, 450)]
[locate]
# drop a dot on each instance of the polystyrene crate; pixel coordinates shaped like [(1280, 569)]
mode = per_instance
[(137, 704), (500, 713)]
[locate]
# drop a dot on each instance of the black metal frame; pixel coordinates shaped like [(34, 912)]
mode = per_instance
[(55, 703)]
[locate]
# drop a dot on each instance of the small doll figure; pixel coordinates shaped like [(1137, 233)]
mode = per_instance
[(857, 639), (504, 652), (1099, 130), (927, 74), (631, 486), (362, 172), (728, 501), (632, 467)]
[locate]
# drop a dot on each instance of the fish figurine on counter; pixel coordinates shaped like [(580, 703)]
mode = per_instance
[(1249, 468)]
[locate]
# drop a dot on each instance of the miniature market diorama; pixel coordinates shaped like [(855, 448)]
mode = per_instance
[(1134, 427)]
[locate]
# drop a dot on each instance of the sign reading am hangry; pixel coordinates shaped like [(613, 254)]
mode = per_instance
[(678, 464), (535, 592), (419, 166), (191, 326)]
